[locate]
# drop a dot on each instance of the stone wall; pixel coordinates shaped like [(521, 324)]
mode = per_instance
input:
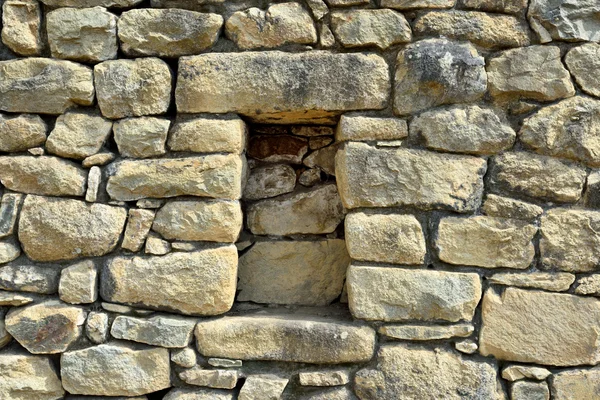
[(318, 200)]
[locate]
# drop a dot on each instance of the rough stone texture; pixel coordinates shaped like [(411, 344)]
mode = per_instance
[(323, 159), (258, 387), (93, 184), (141, 137), (545, 328), (115, 370), (394, 294), (565, 20), (576, 384), (30, 278), (159, 330), (422, 332), (172, 282), (588, 285), (221, 83), (582, 61), (325, 378), (62, 229), (283, 148), (285, 338), (21, 132), (78, 283), (214, 378), (293, 272), (463, 129), (199, 394), (216, 175), (390, 238), (316, 211), (185, 357), (139, 223), (43, 85), (363, 28), (86, 34), (434, 72), (132, 88), (534, 72), (413, 373), (21, 20), (167, 32), (9, 209), (529, 391), (536, 176), (96, 327), (27, 377), (505, 207), (78, 135), (372, 177), (212, 220), (269, 181), (15, 300), (554, 282), (280, 24), (45, 328), (502, 6), (9, 251), (91, 3), (357, 127), (518, 372), (413, 4), (208, 135)]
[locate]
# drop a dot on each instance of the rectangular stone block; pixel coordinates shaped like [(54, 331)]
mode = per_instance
[(372, 177), (363, 128), (201, 134), (395, 294), (282, 87)]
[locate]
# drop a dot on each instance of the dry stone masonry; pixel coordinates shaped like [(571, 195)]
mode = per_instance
[(300, 200)]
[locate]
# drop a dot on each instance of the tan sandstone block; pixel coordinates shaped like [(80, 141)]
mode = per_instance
[(21, 20), (201, 134), (576, 385), (27, 377)]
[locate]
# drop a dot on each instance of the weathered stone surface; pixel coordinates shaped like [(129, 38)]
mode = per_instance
[(30, 278), (293, 272), (115, 370), (139, 223), (529, 391), (269, 181), (410, 372), (258, 387), (545, 328), (324, 378), (13, 299), (224, 362), (78, 283), (576, 384), (434, 72), (199, 394), (214, 378), (591, 195), (201, 282), (505, 207), (157, 246), (486, 242), (52, 229), (91, 3), (534, 72), (395, 294), (43, 85), (45, 328), (132, 88), (96, 327), (582, 61), (318, 8), (485, 30), (283, 148), (372, 177), (229, 82), (463, 129), (93, 184), (141, 137), (21, 132), (9, 251), (280, 24), (339, 393), (310, 177), (285, 338), (516, 372), (208, 135), (9, 208), (21, 20), (86, 34), (570, 239), (78, 135), (5, 337), (554, 282), (362, 28), (42, 175), (413, 4), (167, 32), (358, 127), (564, 20), (323, 159), (536, 176), (502, 6), (385, 237), (159, 330), (218, 176), (316, 211), (27, 377), (185, 357), (426, 332), (588, 285)]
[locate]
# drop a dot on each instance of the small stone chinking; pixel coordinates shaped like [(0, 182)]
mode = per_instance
[(311, 199)]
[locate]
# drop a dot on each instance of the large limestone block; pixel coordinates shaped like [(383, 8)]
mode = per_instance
[(570, 240), (44, 86), (293, 272), (282, 87), (565, 20), (84, 34), (434, 72), (210, 220), (285, 23), (201, 134), (385, 237), (43, 175), (200, 283), (115, 370), (217, 176), (285, 338), (158, 330), (21, 132), (78, 135), (486, 242), (27, 377), (395, 294), (132, 88), (541, 177), (362, 28), (539, 327), (62, 229), (372, 177), (21, 20), (578, 384), (582, 62), (534, 72), (568, 129), (316, 211), (167, 32), (409, 372)]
